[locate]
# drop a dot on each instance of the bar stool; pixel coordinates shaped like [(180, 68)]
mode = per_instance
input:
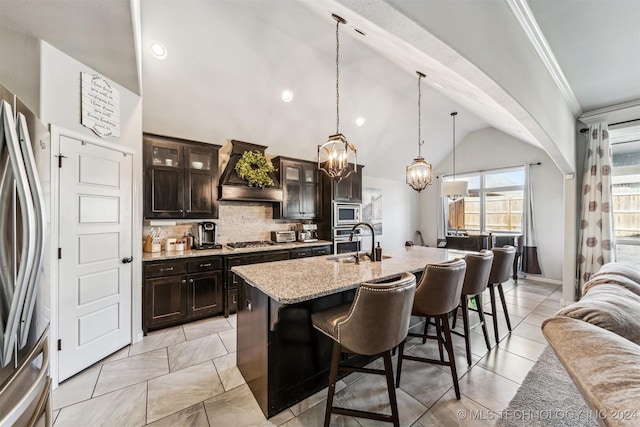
[(502, 261), (437, 295), (376, 321), (475, 282)]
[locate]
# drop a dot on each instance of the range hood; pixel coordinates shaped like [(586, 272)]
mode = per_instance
[(232, 187)]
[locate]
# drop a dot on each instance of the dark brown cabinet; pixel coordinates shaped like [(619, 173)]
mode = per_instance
[(181, 178), (176, 291), (301, 187), (348, 190)]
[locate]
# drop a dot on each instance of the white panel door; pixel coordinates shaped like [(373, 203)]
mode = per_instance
[(95, 265)]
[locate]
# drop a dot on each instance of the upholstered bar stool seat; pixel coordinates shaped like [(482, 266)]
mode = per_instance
[(437, 295), (476, 278), (376, 322), (502, 261)]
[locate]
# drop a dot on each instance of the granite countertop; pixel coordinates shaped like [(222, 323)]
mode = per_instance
[(158, 256), (293, 281)]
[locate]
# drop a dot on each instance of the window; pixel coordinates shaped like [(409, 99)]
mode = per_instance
[(626, 199), (494, 203)]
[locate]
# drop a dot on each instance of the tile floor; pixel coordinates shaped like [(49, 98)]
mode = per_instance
[(187, 376)]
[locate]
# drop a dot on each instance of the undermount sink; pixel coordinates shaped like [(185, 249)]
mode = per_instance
[(352, 258)]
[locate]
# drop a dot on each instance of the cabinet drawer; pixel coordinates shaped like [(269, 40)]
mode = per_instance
[(301, 253), (164, 268), (322, 250), (204, 264), (266, 256)]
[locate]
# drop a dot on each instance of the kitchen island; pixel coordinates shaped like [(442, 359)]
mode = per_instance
[(281, 356)]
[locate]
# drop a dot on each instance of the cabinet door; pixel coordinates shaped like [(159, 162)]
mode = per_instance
[(164, 178), (201, 168), (204, 294), (310, 196), (349, 189), (164, 301), (292, 185)]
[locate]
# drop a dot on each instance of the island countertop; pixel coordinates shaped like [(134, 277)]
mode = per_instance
[(294, 281)]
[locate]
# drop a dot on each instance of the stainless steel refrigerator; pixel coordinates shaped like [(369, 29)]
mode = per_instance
[(24, 283)]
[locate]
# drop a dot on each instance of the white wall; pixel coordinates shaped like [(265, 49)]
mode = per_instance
[(20, 67), (60, 106), (489, 149), (400, 211)]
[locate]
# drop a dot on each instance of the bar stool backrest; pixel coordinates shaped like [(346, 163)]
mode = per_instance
[(477, 275), (440, 288), (378, 319), (502, 264)]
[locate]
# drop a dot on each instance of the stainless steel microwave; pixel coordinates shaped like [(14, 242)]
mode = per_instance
[(346, 214)]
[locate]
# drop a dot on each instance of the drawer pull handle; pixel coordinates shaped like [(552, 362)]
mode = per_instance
[(184, 281), (167, 269), (190, 280), (205, 265)]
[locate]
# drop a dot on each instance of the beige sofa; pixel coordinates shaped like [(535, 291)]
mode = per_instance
[(597, 340)]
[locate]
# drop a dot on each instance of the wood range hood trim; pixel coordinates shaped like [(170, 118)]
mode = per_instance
[(234, 188)]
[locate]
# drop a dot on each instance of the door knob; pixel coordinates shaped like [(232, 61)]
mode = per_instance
[(127, 260)]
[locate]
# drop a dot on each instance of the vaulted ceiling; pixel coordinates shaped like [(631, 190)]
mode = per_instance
[(228, 62)]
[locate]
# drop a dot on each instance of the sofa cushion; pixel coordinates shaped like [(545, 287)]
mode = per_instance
[(611, 279), (603, 365), (611, 307), (620, 269)]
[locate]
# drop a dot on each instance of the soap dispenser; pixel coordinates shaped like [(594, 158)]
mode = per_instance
[(378, 252)]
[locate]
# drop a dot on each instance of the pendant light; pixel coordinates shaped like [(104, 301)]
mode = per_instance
[(455, 189), (419, 173), (337, 157)]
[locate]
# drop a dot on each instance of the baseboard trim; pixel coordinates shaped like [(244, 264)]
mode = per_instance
[(541, 279)]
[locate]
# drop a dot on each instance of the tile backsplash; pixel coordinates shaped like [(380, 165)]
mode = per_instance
[(237, 222)]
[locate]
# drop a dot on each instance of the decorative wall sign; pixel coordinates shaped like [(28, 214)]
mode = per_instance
[(100, 106)]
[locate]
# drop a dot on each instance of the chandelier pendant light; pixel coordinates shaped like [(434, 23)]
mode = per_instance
[(455, 189), (419, 174), (337, 157)]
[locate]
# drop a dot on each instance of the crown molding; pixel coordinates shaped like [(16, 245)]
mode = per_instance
[(527, 21), (614, 113)]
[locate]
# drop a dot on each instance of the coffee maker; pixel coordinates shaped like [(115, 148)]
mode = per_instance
[(307, 232), (204, 235)]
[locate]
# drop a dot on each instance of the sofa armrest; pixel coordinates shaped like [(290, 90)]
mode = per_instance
[(604, 366)]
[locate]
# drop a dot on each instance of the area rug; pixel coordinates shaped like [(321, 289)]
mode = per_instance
[(547, 397)]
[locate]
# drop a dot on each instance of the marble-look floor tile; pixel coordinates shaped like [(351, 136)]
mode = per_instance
[(204, 327), (551, 303), (314, 399), (195, 351), (76, 389), (523, 347), (54, 416), (120, 354), (523, 294), (233, 320), (182, 389), (158, 339), (430, 351), (544, 310), (488, 389), (125, 407), (531, 332), (449, 411), (229, 339), (535, 319), (228, 371), (314, 417), (425, 383), (132, 370), (238, 407), (193, 416), (507, 364), (371, 394)]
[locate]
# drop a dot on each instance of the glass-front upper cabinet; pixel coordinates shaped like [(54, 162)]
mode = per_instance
[(199, 160), (166, 156)]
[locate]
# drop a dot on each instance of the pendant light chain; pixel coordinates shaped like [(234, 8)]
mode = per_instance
[(337, 78), (454, 144), (420, 142)]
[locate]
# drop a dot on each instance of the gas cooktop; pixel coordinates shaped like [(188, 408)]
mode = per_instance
[(252, 244)]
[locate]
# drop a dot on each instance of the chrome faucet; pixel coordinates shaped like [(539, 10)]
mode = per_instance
[(372, 254)]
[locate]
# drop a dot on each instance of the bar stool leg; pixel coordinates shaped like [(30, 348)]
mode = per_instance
[(388, 368), (439, 321), (478, 299), (452, 359), (494, 313), (465, 322), (455, 316), (399, 370), (504, 306), (426, 330), (333, 376)]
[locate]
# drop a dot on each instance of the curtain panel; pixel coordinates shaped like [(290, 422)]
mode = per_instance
[(530, 264), (596, 220)]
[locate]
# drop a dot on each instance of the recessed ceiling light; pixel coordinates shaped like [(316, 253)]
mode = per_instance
[(158, 50), (287, 95), (360, 121), (438, 85)]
